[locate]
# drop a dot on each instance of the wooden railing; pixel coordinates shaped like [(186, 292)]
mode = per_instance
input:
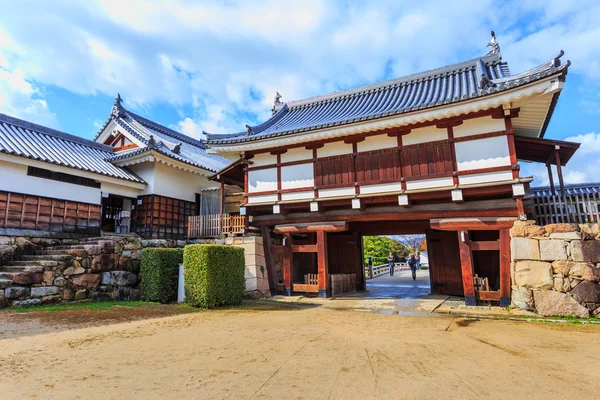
[(215, 225), (383, 269), (578, 205)]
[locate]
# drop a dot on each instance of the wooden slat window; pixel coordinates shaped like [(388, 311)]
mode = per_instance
[(334, 171), (428, 159), (378, 166)]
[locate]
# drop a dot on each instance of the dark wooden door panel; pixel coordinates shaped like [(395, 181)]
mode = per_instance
[(444, 263)]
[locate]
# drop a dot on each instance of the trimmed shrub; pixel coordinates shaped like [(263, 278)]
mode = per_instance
[(159, 274), (214, 275)]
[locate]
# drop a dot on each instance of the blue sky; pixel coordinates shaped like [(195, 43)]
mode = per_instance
[(215, 66)]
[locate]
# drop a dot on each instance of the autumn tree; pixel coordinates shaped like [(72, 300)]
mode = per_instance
[(378, 248)]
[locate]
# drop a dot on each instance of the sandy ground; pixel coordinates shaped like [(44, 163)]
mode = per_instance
[(287, 352)]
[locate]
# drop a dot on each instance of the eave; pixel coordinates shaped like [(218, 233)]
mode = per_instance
[(151, 155)]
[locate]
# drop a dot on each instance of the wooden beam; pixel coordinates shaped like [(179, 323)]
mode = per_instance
[(488, 295), (304, 248), (466, 265), (335, 226), (271, 270), (504, 268), (472, 224), (287, 263), (323, 264), (486, 245)]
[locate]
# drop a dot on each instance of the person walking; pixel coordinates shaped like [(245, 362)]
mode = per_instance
[(412, 263), (391, 259), (418, 258)]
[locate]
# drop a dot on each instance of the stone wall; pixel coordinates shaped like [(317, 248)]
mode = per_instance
[(556, 268), (257, 280)]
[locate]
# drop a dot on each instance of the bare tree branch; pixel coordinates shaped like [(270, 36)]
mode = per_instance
[(412, 242)]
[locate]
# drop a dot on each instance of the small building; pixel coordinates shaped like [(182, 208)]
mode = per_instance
[(436, 152), (136, 176)]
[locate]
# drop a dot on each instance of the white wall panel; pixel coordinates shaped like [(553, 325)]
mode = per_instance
[(334, 149), (382, 188), (423, 135), (296, 154), (298, 196), (262, 180), (266, 198), (377, 142), (177, 183), (429, 183), (336, 192), (485, 178), (297, 176), (263, 159), (482, 153), (477, 126)]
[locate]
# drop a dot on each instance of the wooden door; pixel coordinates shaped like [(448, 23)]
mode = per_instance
[(342, 249), (444, 263)]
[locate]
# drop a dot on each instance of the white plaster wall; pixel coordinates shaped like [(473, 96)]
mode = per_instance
[(377, 142), (146, 172), (382, 188), (336, 192), (482, 153), (14, 178), (297, 176), (423, 135), (476, 126), (266, 198), (298, 196), (121, 190), (485, 178), (429, 183), (296, 154), (334, 149), (263, 159), (262, 180)]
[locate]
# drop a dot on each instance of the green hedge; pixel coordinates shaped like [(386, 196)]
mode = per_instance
[(214, 275), (159, 274)]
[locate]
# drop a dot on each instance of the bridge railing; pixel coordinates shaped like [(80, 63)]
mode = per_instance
[(383, 269)]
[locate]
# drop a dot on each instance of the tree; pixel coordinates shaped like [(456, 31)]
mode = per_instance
[(413, 243), (378, 248)]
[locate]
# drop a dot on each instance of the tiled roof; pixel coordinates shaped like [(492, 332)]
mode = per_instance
[(451, 84), (163, 140), (24, 139), (576, 189)]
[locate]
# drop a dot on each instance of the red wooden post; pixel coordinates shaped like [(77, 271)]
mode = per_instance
[(504, 268), (322, 261), (466, 264), (510, 137), (287, 263)]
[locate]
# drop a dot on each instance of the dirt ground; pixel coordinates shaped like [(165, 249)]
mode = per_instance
[(284, 352)]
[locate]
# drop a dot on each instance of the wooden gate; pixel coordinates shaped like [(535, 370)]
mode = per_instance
[(444, 263)]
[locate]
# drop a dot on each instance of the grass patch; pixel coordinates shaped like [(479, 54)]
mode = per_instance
[(94, 306)]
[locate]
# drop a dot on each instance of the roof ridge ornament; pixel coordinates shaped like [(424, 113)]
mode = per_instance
[(556, 60), (493, 44), (249, 129), (118, 111), (276, 104), (151, 142)]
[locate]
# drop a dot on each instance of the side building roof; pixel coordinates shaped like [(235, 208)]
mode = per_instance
[(472, 79), (25, 139)]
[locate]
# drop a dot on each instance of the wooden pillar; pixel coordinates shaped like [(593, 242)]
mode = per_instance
[(550, 178), (510, 137), (222, 204), (271, 270), (504, 268), (466, 264), (322, 262), (287, 263), (358, 257), (561, 182)]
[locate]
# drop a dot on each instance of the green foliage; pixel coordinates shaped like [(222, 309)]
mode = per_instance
[(159, 274), (214, 275), (378, 247)]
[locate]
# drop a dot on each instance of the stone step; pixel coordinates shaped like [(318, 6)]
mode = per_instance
[(54, 252), (22, 268), (81, 246), (4, 283), (22, 278), (48, 257), (41, 263)]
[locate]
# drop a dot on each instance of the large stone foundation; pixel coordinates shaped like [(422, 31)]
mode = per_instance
[(556, 268)]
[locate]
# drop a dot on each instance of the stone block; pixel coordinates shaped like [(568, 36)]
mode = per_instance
[(561, 228), (14, 292), (104, 262), (587, 250), (126, 293), (25, 245), (534, 275), (562, 285), (80, 252), (585, 271), (67, 294), (47, 278), (27, 303), (51, 299), (89, 281), (587, 292), (3, 302), (524, 249), (6, 254), (76, 269), (119, 278), (590, 229), (567, 236), (522, 298), (550, 303), (251, 284), (80, 294), (41, 291), (126, 253), (101, 296), (5, 240), (562, 267), (551, 250), (27, 278), (4, 283), (60, 281)]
